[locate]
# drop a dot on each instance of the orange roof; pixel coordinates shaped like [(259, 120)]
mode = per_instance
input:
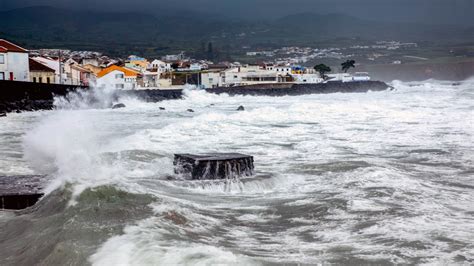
[(6, 46), (126, 71)]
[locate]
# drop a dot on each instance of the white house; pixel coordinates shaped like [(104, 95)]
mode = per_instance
[(307, 78), (361, 76), (160, 66), (211, 79), (54, 64), (249, 75), (14, 63), (118, 78), (283, 70)]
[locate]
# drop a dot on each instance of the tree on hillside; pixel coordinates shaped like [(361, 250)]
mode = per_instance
[(347, 65), (322, 69), (175, 66)]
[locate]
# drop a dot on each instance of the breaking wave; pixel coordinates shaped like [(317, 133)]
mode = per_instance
[(373, 178)]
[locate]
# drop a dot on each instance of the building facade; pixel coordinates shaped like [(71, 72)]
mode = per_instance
[(40, 73), (115, 77), (14, 64)]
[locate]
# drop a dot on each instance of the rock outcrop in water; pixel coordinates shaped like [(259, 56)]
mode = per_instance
[(213, 166), (118, 106), (20, 192)]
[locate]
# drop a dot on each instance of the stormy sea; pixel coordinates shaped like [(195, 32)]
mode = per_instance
[(364, 178)]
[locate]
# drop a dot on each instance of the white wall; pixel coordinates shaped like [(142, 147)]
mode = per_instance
[(344, 77), (16, 63), (54, 65), (112, 80), (210, 79), (307, 78), (283, 70), (3, 67)]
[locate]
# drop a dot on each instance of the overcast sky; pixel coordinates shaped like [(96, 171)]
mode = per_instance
[(428, 11)]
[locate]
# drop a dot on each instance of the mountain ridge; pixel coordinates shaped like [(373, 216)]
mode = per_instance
[(125, 32)]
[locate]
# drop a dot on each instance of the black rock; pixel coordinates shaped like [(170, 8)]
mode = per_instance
[(241, 108), (162, 108), (190, 110), (20, 192), (213, 166), (119, 105), (3, 114), (17, 111)]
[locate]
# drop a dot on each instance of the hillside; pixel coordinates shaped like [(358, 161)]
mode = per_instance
[(147, 34)]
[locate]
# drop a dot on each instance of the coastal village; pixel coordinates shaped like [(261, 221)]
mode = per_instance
[(56, 66)]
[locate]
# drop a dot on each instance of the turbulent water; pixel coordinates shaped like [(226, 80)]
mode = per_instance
[(373, 178)]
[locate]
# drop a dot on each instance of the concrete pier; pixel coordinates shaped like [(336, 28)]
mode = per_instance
[(20, 192), (213, 166)]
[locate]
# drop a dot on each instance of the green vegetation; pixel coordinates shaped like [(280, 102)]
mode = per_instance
[(322, 69), (201, 36), (347, 65)]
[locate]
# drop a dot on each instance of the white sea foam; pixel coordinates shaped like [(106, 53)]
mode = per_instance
[(382, 176)]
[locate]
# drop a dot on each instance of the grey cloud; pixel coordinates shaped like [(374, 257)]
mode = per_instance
[(427, 11)]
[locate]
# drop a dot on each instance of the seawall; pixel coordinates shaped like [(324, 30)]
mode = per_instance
[(16, 96), (26, 96), (302, 89)]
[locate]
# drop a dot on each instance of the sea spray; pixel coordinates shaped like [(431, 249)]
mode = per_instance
[(376, 178)]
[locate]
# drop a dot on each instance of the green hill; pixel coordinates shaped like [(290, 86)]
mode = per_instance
[(151, 35)]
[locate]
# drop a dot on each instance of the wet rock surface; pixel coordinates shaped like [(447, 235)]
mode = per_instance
[(302, 89), (27, 96), (18, 96), (118, 106), (20, 192), (213, 166)]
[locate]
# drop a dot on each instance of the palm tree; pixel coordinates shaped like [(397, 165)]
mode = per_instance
[(347, 65), (322, 69)]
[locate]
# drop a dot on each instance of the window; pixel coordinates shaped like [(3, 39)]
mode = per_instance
[(2, 75), (48, 80), (2, 59), (34, 79), (40, 79), (119, 86), (119, 76)]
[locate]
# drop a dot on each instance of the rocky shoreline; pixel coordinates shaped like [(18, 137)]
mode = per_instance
[(25, 96), (303, 89)]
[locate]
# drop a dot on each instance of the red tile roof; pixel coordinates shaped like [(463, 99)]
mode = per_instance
[(37, 66), (6, 46)]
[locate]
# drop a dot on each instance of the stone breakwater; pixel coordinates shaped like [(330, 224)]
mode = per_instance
[(302, 89), (26, 96), (18, 96)]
